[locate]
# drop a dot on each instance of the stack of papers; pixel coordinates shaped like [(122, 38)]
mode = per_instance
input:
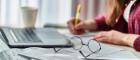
[(107, 52)]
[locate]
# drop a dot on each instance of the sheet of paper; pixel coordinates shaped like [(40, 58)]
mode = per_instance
[(123, 55), (69, 53), (49, 54), (3, 46), (106, 49)]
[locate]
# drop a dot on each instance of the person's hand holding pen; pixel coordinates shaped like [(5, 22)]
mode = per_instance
[(74, 23), (77, 26)]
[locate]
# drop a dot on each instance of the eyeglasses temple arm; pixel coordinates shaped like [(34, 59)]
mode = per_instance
[(83, 55)]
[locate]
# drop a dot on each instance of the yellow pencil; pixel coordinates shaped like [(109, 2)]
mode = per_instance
[(78, 11)]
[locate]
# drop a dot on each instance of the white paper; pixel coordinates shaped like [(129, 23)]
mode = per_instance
[(107, 52), (3, 46)]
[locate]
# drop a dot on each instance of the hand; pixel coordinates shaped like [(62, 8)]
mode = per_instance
[(74, 29), (81, 27), (115, 37)]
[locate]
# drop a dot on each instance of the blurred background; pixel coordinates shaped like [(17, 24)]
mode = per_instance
[(50, 11)]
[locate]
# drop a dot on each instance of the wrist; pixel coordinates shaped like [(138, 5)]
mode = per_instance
[(129, 39), (91, 25)]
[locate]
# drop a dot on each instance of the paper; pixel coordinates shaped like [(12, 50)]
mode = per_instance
[(123, 55), (3, 46), (69, 53), (107, 52), (47, 54), (59, 57), (105, 48), (11, 54)]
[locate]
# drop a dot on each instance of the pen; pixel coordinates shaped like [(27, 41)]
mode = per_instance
[(77, 16)]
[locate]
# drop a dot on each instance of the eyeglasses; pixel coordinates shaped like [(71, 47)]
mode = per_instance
[(80, 41), (93, 45)]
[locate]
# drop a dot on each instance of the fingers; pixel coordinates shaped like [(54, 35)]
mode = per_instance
[(79, 26), (112, 37), (75, 29), (102, 37), (72, 21), (71, 25)]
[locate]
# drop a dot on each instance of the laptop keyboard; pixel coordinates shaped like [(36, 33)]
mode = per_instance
[(25, 35)]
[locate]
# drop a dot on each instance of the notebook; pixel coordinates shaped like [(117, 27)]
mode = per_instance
[(35, 37)]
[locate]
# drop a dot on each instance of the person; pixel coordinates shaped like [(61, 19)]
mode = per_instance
[(120, 25)]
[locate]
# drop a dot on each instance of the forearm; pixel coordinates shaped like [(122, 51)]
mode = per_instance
[(97, 24), (91, 25), (101, 23)]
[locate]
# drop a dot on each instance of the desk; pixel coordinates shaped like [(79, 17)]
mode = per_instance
[(13, 54)]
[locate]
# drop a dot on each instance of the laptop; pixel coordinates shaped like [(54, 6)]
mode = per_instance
[(35, 37)]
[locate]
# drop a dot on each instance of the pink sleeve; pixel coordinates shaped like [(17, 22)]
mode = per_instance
[(121, 25), (137, 44), (101, 24), (136, 27)]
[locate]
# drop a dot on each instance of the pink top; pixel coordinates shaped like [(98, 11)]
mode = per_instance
[(132, 26)]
